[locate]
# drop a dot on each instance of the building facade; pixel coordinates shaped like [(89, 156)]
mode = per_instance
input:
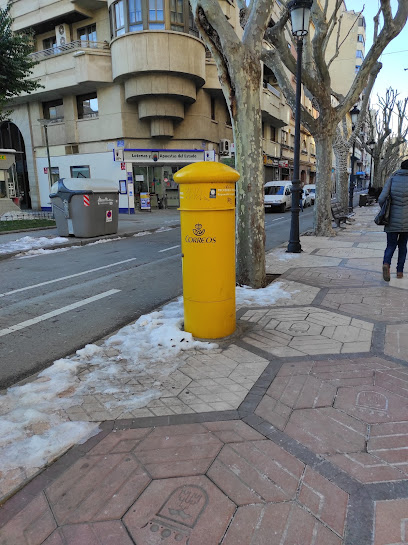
[(129, 92)]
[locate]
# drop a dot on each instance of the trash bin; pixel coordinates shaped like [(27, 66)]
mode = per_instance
[(363, 199), (85, 207)]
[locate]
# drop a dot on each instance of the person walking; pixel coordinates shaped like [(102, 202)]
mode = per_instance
[(397, 228)]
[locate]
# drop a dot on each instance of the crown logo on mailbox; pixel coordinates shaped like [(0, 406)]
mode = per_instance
[(199, 231)]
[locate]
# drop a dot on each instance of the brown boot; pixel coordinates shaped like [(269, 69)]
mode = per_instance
[(400, 274), (386, 272)]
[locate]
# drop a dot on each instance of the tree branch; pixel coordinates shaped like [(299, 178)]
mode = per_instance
[(390, 30), (258, 21), (271, 58)]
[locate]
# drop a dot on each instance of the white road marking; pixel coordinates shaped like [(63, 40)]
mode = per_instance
[(281, 218), (167, 249), (28, 323), (66, 277)]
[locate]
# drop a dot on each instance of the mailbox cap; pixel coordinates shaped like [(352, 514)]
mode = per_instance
[(206, 172)]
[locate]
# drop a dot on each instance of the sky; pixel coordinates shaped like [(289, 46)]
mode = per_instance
[(395, 56)]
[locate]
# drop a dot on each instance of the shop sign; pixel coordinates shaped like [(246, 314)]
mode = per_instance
[(164, 156), (144, 201), (270, 161), (284, 164)]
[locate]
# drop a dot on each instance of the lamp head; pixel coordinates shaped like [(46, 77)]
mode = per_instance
[(354, 114), (300, 16)]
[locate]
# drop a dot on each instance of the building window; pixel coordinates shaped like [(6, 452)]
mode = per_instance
[(361, 22), (177, 14), (80, 172), (54, 109), (263, 129), (156, 15), (118, 18), (359, 54), (273, 133), (50, 43), (54, 174), (284, 137), (292, 140), (135, 15), (87, 34), (213, 108), (360, 38), (87, 106)]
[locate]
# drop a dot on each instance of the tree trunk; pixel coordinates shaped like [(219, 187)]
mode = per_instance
[(323, 217), (247, 119), (377, 179), (341, 154)]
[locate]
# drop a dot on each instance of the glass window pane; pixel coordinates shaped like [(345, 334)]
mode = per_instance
[(136, 28), (159, 4), (80, 172), (156, 26)]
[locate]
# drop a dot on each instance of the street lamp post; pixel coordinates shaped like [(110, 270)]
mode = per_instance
[(354, 116), (371, 145), (300, 15), (44, 123)]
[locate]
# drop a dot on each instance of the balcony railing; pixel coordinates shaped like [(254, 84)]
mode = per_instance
[(66, 48)]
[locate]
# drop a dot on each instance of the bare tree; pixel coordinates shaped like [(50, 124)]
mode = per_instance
[(238, 56), (316, 78), (386, 151), (344, 140)]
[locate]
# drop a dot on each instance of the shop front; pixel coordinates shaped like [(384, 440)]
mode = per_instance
[(151, 172), (271, 168)]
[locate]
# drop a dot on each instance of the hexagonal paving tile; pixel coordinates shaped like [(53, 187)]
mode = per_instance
[(396, 341), (97, 533), (391, 522), (286, 332), (176, 451), (182, 510), (97, 488), (384, 304), (334, 277), (372, 404), (278, 524), (327, 430), (256, 472)]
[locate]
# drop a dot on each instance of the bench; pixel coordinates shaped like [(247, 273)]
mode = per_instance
[(366, 200), (339, 215)]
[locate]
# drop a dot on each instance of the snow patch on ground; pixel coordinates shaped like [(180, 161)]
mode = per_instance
[(29, 243), (34, 427)]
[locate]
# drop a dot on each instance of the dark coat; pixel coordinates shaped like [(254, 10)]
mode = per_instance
[(399, 201)]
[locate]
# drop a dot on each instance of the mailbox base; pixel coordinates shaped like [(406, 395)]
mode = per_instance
[(212, 320)]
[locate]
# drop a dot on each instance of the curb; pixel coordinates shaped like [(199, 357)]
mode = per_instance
[(85, 242)]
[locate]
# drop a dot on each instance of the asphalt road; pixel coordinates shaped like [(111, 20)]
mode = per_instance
[(54, 304)]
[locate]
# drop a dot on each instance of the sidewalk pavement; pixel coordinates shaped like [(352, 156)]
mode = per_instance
[(293, 432), (128, 225)]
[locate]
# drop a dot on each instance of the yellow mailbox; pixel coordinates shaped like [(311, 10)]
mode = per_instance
[(207, 213)]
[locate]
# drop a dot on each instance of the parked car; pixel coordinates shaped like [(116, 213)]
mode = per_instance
[(306, 198), (312, 190), (278, 194)]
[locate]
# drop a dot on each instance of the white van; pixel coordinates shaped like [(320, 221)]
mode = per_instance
[(278, 195), (312, 191)]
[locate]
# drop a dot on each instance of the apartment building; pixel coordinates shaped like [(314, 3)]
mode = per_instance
[(128, 92), (346, 47)]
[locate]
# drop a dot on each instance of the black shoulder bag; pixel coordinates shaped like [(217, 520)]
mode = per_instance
[(383, 216)]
